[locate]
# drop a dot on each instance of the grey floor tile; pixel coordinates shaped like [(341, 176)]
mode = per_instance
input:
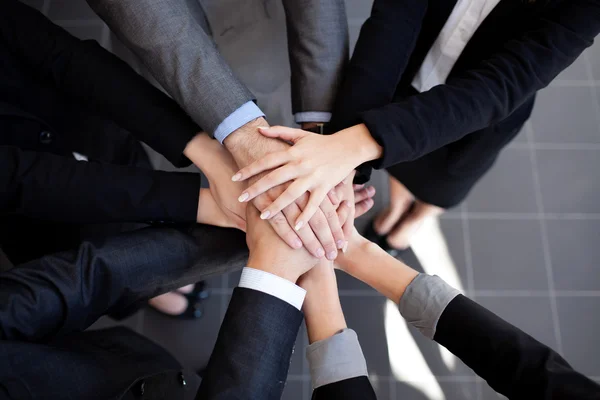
[(360, 9), (293, 391), (487, 393), (568, 180), (70, 10), (366, 316), (382, 387), (580, 329), (507, 187), (574, 251), (191, 342), (565, 115), (576, 72), (593, 55), (507, 255), (86, 32), (530, 314), (459, 390)]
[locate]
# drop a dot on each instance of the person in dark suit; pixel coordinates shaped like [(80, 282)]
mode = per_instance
[(47, 356), (62, 101), (434, 90), (512, 362)]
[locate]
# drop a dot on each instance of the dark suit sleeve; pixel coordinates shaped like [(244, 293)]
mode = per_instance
[(97, 79), (512, 362), (55, 188), (358, 388), (485, 95), (252, 354), (67, 292)]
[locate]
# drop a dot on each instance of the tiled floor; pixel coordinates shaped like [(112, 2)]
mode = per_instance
[(525, 243)]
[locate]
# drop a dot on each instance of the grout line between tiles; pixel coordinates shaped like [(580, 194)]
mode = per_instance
[(467, 251), (590, 74), (545, 242)]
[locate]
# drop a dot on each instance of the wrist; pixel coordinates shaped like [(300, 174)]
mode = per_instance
[(240, 141), (362, 147), (273, 267)]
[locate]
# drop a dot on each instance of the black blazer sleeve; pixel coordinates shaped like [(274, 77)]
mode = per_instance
[(252, 355), (55, 188), (485, 95), (512, 362), (358, 388), (97, 79)]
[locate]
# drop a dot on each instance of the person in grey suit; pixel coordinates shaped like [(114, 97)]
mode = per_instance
[(172, 38)]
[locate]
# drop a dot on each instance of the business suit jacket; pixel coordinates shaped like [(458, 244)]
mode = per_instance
[(170, 37), (512, 362), (60, 95), (440, 142), (45, 355)]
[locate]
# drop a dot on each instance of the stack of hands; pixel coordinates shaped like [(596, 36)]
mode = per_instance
[(301, 182)]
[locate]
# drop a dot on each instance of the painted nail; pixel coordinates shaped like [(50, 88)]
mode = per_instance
[(296, 243), (345, 248), (331, 255), (340, 244), (243, 197), (265, 215), (320, 252), (370, 190), (236, 177), (299, 225)]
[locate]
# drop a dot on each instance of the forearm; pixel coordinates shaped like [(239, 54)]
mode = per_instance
[(367, 262), (317, 32), (55, 188), (97, 79), (182, 57)]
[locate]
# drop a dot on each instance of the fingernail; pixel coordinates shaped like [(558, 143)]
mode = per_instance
[(331, 255), (297, 243), (236, 177), (345, 248), (299, 225), (370, 190), (320, 252), (244, 197), (263, 127), (265, 215), (340, 244)]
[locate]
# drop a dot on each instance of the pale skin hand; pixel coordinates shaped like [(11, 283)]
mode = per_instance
[(322, 235), (269, 253), (216, 163), (315, 163)]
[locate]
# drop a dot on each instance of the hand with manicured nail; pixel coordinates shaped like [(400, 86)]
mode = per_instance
[(314, 165)]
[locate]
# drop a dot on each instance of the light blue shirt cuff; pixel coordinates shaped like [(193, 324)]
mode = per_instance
[(273, 285), (240, 117), (312, 116)]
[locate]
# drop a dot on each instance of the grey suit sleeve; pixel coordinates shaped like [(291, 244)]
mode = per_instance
[(318, 49), (335, 359), (169, 38)]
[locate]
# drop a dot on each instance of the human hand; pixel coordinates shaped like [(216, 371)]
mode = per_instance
[(268, 253), (217, 164), (322, 235), (210, 213), (315, 164)]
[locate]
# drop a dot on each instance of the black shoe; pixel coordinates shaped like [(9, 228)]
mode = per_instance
[(381, 240)]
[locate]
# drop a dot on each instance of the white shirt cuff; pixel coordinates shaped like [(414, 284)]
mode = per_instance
[(273, 285), (240, 117), (312, 116)]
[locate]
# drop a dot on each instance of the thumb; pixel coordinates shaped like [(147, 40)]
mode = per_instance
[(284, 133)]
